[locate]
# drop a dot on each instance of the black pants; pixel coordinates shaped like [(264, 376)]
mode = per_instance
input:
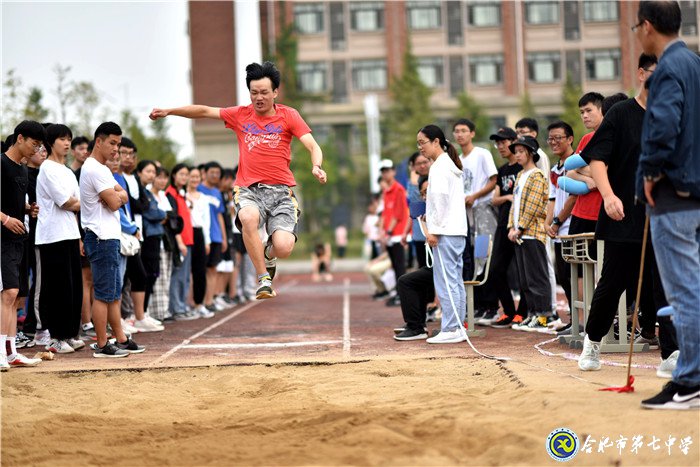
[(199, 267), (621, 273), (501, 258), (562, 271), (135, 272), (397, 255), (419, 246), (30, 321), (61, 288), (415, 291), (531, 258), (150, 257)]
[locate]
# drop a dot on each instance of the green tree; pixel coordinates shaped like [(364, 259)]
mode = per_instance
[(157, 147), (571, 93), (63, 90), (468, 107), (527, 108), (409, 111), (34, 109), (11, 97), (85, 100)]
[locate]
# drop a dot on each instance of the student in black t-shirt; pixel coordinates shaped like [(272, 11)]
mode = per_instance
[(613, 154), (29, 136), (503, 250)]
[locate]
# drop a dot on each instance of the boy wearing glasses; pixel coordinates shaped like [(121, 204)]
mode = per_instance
[(28, 138)]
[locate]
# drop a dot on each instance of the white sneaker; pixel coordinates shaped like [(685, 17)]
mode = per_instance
[(218, 306), (145, 325), (127, 327), (150, 319), (447, 337), (59, 346), (4, 366), (220, 302), (77, 344), (42, 338), (665, 369), (20, 360), (203, 312), (590, 355)]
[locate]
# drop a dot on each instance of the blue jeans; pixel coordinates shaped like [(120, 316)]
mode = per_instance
[(104, 263), (447, 276), (676, 237), (180, 284)]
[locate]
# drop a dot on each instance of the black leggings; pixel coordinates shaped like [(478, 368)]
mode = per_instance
[(150, 257), (199, 267), (61, 288)]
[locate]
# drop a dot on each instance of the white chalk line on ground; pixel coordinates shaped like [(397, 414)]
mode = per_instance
[(259, 345), (346, 318), (215, 325)]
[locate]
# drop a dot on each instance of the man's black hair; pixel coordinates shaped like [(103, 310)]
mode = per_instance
[(127, 143), (421, 180), (91, 146), (594, 98), (78, 140), (413, 157), (30, 129), (465, 121), (609, 101), (200, 167), (213, 165), (228, 173), (568, 131), (55, 131), (256, 71), (528, 122), (646, 60), (107, 128), (664, 16)]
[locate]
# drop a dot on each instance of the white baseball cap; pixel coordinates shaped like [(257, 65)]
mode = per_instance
[(386, 164)]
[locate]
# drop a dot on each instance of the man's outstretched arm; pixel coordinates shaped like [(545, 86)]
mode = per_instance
[(316, 156), (188, 111)]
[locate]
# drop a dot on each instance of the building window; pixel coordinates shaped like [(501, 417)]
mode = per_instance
[(369, 75), (542, 12), (367, 16), (430, 70), (602, 65), (308, 17), (424, 15), (544, 67), (311, 77), (594, 11), (484, 14), (486, 70)]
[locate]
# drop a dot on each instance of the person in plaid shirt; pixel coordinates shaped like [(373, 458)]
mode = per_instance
[(526, 229)]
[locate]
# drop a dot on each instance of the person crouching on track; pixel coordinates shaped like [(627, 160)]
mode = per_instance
[(446, 219)]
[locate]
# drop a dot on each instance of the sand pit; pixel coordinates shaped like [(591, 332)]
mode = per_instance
[(418, 411)]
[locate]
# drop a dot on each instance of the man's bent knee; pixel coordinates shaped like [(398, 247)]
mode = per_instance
[(249, 217), (283, 243)]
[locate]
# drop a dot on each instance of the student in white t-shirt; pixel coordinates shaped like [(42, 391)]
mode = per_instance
[(60, 288), (101, 198)]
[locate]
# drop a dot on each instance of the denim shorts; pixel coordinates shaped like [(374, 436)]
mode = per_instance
[(104, 262)]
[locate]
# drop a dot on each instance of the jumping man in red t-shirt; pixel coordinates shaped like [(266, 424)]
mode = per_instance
[(262, 190)]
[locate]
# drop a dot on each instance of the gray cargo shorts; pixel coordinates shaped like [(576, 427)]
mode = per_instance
[(277, 205)]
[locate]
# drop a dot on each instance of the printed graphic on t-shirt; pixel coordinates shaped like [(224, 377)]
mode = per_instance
[(254, 135), (468, 179), (507, 182)]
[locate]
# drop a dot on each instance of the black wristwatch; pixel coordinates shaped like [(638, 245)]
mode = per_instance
[(556, 221)]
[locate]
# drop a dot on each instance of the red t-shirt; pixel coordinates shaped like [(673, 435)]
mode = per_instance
[(587, 206), (264, 143), (395, 207), (183, 211)]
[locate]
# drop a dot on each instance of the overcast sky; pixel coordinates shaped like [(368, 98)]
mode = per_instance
[(137, 54)]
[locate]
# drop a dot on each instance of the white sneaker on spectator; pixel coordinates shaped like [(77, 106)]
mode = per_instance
[(145, 325), (77, 344), (665, 369), (220, 302), (152, 320), (4, 366), (203, 312), (590, 355), (446, 337), (42, 338), (20, 360), (59, 346), (128, 327)]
